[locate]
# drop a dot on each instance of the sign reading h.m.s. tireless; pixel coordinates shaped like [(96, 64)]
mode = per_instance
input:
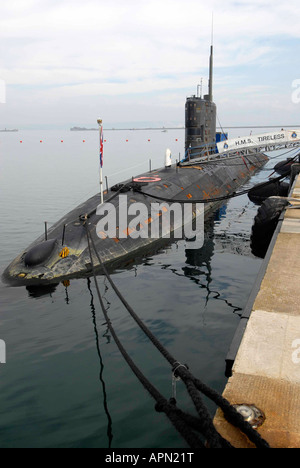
[(284, 136)]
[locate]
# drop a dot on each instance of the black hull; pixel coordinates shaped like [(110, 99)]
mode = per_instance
[(206, 181)]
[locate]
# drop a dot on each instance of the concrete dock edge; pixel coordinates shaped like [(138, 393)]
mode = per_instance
[(265, 352)]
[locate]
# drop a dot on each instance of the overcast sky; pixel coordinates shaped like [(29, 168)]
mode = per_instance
[(68, 62)]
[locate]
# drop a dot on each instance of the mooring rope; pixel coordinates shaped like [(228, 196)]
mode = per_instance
[(183, 422), (175, 416)]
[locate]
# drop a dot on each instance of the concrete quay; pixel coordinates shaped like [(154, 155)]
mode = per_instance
[(266, 369)]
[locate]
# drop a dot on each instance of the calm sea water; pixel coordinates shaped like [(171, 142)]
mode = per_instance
[(65, 383)]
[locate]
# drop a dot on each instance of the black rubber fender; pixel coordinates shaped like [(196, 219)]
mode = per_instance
[(40, 253), (262, 191), (284, 167), (265, 223)]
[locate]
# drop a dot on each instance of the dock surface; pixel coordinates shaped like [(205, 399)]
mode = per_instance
[(266, 371)]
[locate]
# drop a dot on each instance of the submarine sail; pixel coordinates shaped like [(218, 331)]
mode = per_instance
[(200, 119)]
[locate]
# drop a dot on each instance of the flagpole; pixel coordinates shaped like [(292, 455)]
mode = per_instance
[(101, 158)]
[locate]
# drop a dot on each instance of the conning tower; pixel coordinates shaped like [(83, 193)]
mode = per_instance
[(200, 119)]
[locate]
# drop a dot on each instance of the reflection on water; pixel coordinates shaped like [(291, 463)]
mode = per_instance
[(41, 290), (201, 259), (101, 375)]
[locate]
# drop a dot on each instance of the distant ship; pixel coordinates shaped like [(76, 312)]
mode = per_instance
[(8, 130), (82, 129), (204, 175)]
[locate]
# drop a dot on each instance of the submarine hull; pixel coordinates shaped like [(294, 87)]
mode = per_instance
[(66, 255)]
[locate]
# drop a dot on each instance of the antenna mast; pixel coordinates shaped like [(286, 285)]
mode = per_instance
[(211, 59)]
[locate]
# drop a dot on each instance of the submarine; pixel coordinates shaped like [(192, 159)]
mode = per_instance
[(204, 176)]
